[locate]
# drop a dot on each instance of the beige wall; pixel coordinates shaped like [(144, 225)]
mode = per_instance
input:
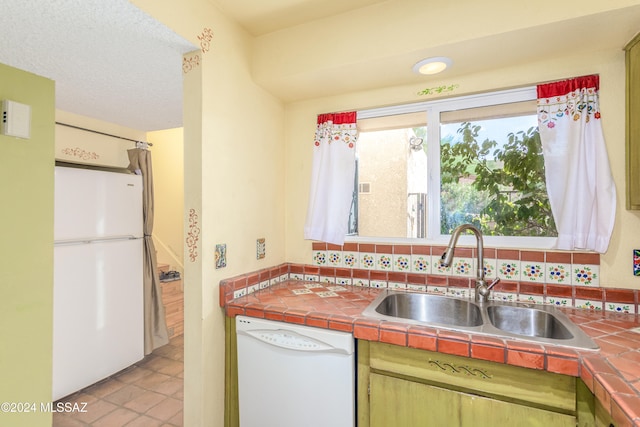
[(168, 183), (26, 251), (616, 265), (234, 183)]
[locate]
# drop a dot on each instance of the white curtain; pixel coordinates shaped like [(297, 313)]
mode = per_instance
[(332, 178), (579, 182)]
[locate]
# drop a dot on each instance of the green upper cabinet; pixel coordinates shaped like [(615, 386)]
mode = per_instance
[(632, 57)]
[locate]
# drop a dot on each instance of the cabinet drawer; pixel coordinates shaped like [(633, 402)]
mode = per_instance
[(508, 383)]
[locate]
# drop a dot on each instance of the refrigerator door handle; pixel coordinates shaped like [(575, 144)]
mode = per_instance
[(95, 240)]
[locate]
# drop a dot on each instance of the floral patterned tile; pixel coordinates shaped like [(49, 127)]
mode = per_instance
[(532, 271), (377, 284), (297, 276), (327, 279), (619, 307), (343, 280), (437, 268), (351, 259), (361, 282), (367, 260), (302, 291), (438, 290), (253, 288), (384, 262), (320, 258), (463, 267), (420, 288), (421, 263), (503, 296), (239, 293), (490, 268), (588, 304), (558, 273), (402, 262), (313, 285), (284, 277), (559, 301), (311, 277), (531, 299), (458, 292), (397, 285), (586, 275), (337, 288), (334, 258), (508, 269), (327, 294)]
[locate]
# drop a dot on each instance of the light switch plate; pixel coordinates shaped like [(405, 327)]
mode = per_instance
[(16, 119)]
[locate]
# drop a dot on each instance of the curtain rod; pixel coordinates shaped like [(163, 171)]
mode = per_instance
[(105, 134)]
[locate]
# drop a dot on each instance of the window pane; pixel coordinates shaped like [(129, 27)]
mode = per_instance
[(392, 176), (492, 171)]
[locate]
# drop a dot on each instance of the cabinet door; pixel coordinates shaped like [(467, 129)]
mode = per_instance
[(396, 402)]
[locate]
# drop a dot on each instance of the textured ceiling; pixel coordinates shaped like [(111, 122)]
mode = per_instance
[(110, 60)]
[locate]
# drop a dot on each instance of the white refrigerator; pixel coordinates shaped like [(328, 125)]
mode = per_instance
[(98, 276)]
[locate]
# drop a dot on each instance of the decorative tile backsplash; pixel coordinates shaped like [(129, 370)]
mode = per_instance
[(563, 279)]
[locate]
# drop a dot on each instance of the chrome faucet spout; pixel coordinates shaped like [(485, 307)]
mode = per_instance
[(447, 256), (482, 290)]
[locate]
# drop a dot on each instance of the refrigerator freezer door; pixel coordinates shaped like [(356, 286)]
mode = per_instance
[(92, 204), (98, 312)]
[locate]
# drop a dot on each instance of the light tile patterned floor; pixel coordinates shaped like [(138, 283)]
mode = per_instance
[(147, 394)]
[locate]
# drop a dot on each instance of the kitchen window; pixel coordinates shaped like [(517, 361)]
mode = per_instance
[(431, 166)]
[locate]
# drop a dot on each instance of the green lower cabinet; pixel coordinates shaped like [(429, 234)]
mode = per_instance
[(404, 387), (401, 403)]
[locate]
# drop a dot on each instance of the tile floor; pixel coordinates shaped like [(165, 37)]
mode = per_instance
[(147, 394)]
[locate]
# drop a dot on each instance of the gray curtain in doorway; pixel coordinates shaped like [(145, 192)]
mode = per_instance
[(155, 325)]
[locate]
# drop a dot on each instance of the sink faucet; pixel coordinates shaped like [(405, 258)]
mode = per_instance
[(482, 289)]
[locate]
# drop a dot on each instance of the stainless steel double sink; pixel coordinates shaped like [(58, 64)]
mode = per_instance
[(531, 322)]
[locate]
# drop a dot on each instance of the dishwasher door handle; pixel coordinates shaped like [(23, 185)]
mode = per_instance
[(291, 341)]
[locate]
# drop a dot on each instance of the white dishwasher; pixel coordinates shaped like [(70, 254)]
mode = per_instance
[(294, 376)]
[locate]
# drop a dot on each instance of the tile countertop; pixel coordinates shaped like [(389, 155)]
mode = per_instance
[(611, 373)]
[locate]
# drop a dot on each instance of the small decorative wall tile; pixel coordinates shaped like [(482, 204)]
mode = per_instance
[(296, 276), (239, 292), (503, 296), (397, 285), (636, 262), (253, 288), (421, 263), (327, 279), (558, 273), (302, 291), (588, 304), (401, 262), (351, 259), (361, 282), (490, 269), (620, 307), (462, 267), (508, 269), (326, 294), (377, 284), (384, 262), (586, 275), (532, 272), (221, 256), (367, 260), (438, 290), (419, 288), (334, 258), (531, 299), (559, 301), (320, 257), (271, 282), (311, 277), (337, 288), (457, 292), (261, 248), (343, 280), (284, 277), (437, 268)]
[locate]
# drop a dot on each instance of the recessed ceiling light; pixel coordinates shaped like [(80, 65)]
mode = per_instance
[(433, 65)]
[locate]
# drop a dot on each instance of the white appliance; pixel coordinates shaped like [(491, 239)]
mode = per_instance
[(293, 376), (98, 276)]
